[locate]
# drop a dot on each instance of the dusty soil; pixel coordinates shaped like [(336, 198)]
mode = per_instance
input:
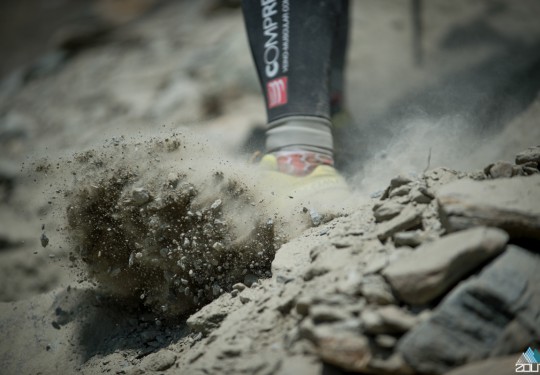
[(127, 161)]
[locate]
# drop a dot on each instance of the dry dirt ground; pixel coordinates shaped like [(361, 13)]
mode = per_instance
[(127, 202)]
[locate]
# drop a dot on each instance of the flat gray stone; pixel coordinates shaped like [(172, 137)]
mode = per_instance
[(409, 218), (490, 315), (510, 204), (387, 211), (435, 267)]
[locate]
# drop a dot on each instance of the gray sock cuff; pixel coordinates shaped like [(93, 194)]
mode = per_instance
[(308, 133)]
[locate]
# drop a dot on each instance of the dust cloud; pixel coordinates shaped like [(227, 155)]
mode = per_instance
[(169, 222), (423, 143)]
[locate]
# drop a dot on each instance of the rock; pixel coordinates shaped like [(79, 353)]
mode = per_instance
[(216, 204), (395, 364), (510, 204), (140, 196), (492, 314), (410, 238), (159, 361), (387, 211), (385, 341), (376, 290), (300, 364), (400, 191), (435, 267), (500, 169), (491, 366), (399, 181), (210, 316), (421, 195), (326, 260), (44, 240), (342, 348), (326, 314), (239, 287), (376, 265), (437, 177), (532, 154), (388, 319), (409, 218), (315, 217)]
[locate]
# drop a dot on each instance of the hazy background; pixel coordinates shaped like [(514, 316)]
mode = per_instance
[(76, 72)]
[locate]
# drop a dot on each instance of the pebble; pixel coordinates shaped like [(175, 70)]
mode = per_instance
[(239, 286), (385, 341), (400, 191), (44, 240), (387, 211), (399, 181), (500, 169), (140, 196), (216, 204), (532, 154)]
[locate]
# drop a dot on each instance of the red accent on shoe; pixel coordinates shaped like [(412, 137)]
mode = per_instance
[(301, 163)]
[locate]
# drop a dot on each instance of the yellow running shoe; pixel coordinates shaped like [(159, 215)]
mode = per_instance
[(304, 178)]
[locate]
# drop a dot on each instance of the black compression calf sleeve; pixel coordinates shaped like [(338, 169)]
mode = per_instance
[(298, 48)]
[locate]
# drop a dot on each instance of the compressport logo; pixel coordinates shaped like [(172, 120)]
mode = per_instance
[(529, 361), (276, 91), (271, 40)]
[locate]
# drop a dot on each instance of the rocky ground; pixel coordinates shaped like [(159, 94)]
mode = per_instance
[(128, 248)]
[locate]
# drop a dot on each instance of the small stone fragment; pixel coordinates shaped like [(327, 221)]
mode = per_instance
[(239, 287), (159, 361), (140, 196), (409, 218), (532, 154), (44, 240), (387, 211), (420, 195), (216, 204), (326, 314), (385, 341), (399, 181), (315, 217), (410, 238), (400, 191), (376, 290), (500, 169)]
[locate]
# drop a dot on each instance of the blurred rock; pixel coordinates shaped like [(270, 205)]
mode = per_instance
[(510, 204), (491, 366), (435, 267), (500, 169), (387, 320), (492, 314), (532, 154), (376, 290), (338, 345), (160, 361), (409, 218), (387, 211), (210, 317)]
